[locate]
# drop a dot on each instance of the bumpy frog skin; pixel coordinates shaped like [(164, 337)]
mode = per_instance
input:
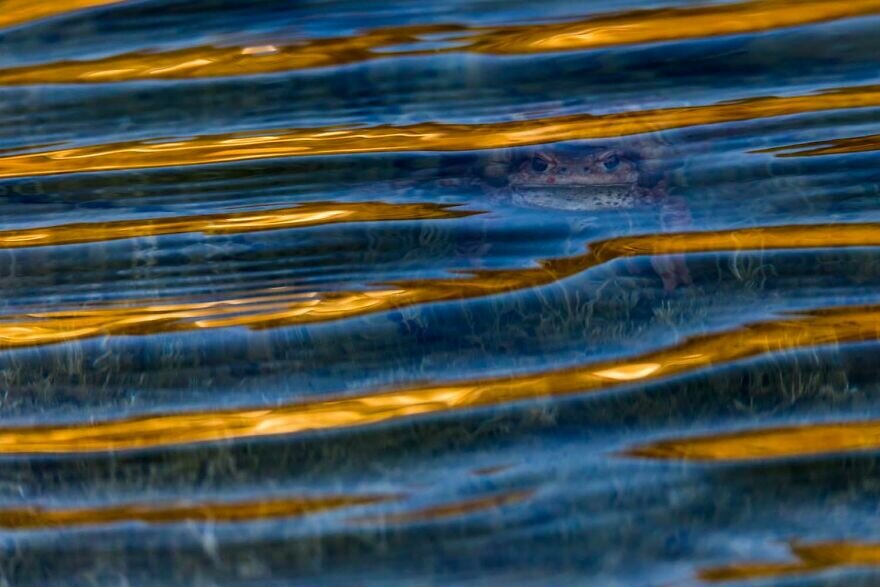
[(586, 180)]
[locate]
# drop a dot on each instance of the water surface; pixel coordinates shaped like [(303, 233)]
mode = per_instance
[(270, 313)]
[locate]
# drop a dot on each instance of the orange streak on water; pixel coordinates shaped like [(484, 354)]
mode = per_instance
[(796, 236), (460, 508), (44, 328), (607, 30), (778, 442), (830, 147), (668, 24), (36, 518), (204, 62), (491, 470), (819, 327), (260, 312), (18, 12), (811, 558), (418, 137), (300, 216)]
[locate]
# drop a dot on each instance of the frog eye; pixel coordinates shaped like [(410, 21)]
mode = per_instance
[(611, 162), (540, 164)]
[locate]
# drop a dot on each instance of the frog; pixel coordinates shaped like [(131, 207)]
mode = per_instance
[(591, 179), (584, 181)]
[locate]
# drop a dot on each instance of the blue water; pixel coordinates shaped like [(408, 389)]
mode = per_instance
[(272, 312)]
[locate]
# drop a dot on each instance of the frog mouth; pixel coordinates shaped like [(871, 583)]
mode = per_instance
[(583, 197)]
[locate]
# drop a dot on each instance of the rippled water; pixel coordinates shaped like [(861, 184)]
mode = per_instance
[(288, 300)]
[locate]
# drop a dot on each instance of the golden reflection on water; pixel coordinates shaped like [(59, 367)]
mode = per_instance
[(795, 236), (819, 327), (288, 309), (767, 443), (830, 147), (418, 137), (18, 12), (36, 518), (299, 216), (449, 510), (608, 30), (668, 24), (811, 558)]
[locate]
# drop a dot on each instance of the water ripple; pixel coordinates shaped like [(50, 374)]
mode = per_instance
[(630, 28), (300, 216), (18, 12), (813, 328), (811, 558), (419, 137), (275, 311), (39, 518)]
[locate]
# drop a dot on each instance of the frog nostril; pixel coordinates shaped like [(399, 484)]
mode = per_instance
[(563, 169)]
